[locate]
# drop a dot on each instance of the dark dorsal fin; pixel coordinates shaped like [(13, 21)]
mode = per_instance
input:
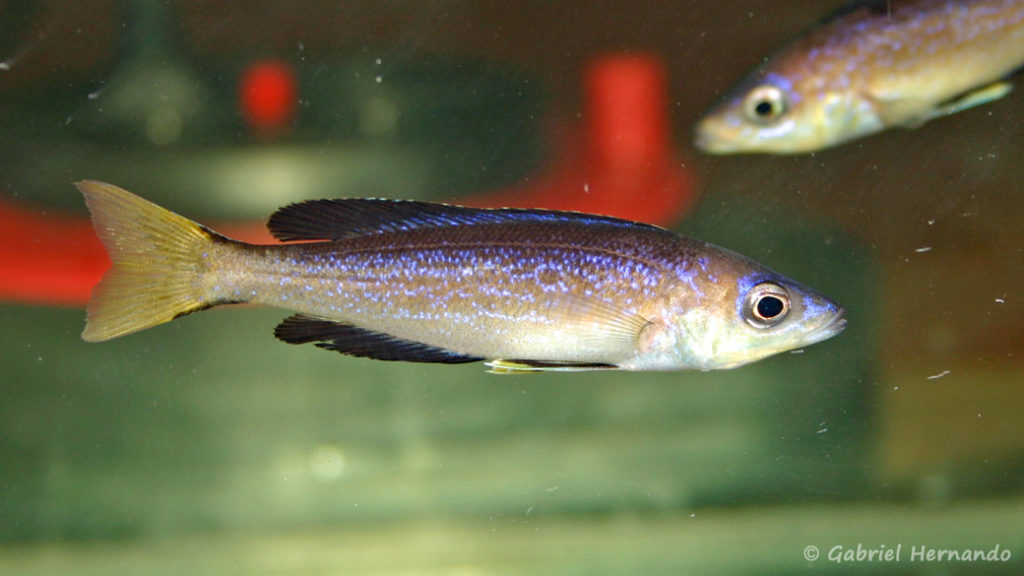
[(873, 7), (355, 341), (347, 218)]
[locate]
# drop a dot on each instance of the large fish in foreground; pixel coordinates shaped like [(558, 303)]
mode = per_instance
[(404, 280), (874, 66)]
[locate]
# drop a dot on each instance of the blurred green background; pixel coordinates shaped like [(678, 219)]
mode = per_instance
[(207, 447)]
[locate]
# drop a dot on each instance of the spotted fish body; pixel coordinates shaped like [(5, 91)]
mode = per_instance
[(401, 280), (873, 66)]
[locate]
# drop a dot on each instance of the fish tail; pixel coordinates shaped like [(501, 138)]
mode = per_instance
[(157, 259)]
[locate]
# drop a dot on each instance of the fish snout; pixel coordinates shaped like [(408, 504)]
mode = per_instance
[(835, 325), (708, 136)]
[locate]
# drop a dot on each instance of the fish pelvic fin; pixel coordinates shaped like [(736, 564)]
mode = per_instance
[(505, 367), (156, 258), (983, 95)]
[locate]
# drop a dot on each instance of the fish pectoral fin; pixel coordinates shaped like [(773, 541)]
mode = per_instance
[(355, 341), (604, 330), (533, 366), (604, 327)]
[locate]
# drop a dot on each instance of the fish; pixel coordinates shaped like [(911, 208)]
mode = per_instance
[(523, 290), (872, 66)]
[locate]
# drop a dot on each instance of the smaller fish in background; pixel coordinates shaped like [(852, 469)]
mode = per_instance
[(525, 290), (872, 66)]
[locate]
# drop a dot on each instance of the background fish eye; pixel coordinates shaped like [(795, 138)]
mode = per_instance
[(767, 305), (765, 104)]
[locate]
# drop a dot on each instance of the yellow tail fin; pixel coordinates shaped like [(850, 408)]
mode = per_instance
[(157, 257)]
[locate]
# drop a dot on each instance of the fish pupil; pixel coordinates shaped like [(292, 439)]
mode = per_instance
[(764, 108), (770, 306)]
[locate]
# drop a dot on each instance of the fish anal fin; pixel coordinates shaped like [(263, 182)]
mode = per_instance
[(500, 366), (355, 341)]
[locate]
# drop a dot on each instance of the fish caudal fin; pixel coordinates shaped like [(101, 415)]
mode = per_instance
[(157, 257)]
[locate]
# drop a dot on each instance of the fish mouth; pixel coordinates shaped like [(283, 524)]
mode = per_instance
[(707, 138), (834, 326)]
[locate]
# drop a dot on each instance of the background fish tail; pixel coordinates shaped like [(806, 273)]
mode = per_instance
[(157, 259)]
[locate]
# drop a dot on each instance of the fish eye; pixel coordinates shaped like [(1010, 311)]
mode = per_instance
[(765, 104), (766, 305)]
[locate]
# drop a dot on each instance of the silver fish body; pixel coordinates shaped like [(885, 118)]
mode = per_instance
[(875, 66), (523, 289)]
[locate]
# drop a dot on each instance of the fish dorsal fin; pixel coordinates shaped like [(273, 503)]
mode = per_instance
[(338, 219), (355, 341), (868, 7)]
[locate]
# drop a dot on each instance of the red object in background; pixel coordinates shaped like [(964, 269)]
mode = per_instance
[(57, 259), (47, 259), (268, 96), (621, 164)]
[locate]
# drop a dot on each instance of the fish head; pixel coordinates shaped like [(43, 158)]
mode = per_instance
[(754, 315), (787, 109)]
